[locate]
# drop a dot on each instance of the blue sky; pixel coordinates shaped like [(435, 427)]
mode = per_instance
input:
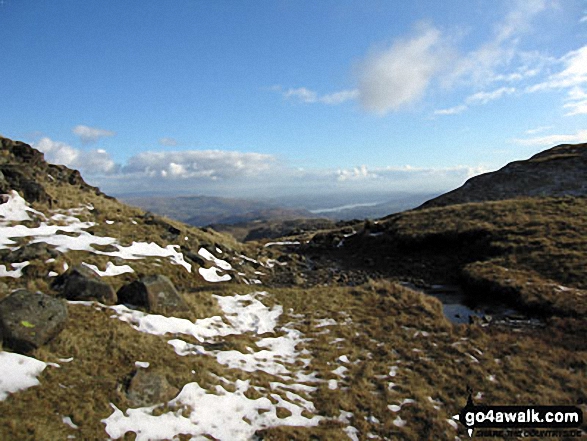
[(268, 98)]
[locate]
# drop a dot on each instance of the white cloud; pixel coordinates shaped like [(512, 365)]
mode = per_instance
[(537, 130), (357, 173), (90, 135), (339, 97), (576, 101), (549, 140), (168, 142), (58, 152), (302, 94), (572, 78), (89, 161), (451, 110), (309, 96), (200, 164), (238, 174), (574, 72), (398, 76)]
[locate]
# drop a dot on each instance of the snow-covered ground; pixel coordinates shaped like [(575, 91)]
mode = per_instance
[(242, 416)]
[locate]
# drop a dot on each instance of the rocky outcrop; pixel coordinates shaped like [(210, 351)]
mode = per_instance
[(156, 294), (29, 320), (23, 168), (81, 283), (559, 171)]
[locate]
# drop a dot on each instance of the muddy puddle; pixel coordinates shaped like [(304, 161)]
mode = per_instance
[(459, 309)]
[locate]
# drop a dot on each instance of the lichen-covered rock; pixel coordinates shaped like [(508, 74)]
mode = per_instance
[(81, 283), (156, 293), (29, 320), (149, 388)]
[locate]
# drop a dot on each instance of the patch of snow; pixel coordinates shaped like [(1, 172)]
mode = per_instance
[(65, 360), (399, 422), (16, 272), (394, 407), (52, 274), (109, 222), (332, 384), (18, 372), (247, 314), (211, 275), (372, 419), (270, 244), (325, 322), (340, 371), (15, 208), (75, 238), (452, 423), (344, 359), (241, 416), (352, 432), (202, 329), (111, 269), (248, 259), (67, 420), (393, 371), (223, 264), (142, 364)]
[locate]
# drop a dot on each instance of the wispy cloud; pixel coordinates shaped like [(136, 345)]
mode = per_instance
[(397, 76), (90, 135), (477, 98), (452, 110), (490, 61), (305, 95), (576, 101), (549, 140), (572, 78), (485, 97)]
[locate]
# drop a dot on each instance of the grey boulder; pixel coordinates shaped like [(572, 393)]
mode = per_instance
[(29, 320), (156, 293)]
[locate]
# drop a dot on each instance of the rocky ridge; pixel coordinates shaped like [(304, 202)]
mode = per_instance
[(556, 172)]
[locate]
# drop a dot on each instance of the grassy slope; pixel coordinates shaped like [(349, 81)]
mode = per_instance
[(530, 251), (378, 326)]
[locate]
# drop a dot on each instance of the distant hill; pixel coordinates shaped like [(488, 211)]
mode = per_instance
[(559, 171), (205, 210)]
